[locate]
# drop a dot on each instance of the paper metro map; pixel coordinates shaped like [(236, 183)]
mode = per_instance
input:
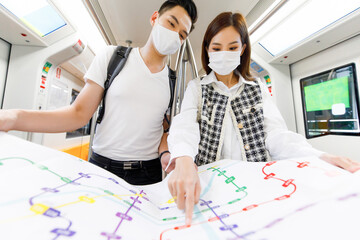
[(46, 195)]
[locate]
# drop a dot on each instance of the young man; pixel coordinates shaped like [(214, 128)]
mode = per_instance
[(128, 140)]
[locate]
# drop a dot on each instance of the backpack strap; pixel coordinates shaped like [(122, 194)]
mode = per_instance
[(172, 82), (116, 64)]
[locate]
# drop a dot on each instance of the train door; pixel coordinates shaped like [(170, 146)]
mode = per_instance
[(64, 87)]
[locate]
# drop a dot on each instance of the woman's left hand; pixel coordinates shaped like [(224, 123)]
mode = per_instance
[(342, 162)]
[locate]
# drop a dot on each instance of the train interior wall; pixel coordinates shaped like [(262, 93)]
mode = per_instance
[(338, 55)]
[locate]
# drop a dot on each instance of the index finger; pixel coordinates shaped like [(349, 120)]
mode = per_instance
[(189, 205)]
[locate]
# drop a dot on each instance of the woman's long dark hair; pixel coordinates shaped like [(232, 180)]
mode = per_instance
[(224, 20)]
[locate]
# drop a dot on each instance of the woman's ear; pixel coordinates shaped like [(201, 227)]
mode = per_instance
[(153, 18), (243, 49)]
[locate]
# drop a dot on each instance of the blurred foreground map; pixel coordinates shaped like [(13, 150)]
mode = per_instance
[(46, 195)]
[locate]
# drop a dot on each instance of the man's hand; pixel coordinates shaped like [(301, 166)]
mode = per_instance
[(342, 162), (184, 186)]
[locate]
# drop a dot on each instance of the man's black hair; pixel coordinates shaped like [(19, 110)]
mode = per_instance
[(188, 5)]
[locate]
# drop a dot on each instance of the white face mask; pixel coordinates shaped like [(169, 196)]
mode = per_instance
[(224, 62), (166, 41)]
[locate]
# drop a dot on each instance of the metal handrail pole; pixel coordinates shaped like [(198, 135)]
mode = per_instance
[(191, 58), (178, 77), (183, 83)]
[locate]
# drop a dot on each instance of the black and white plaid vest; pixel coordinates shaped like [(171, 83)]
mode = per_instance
[(247, 115)]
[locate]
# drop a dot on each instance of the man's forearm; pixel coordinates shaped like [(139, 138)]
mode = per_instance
[(163, 143)]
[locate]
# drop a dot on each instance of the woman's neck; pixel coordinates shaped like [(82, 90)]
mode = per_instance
[(229, 80)]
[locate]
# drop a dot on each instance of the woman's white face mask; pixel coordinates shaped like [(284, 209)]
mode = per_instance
[(165, 41), (224, 62)]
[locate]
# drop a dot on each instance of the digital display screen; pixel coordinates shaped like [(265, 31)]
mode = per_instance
[(331, 102), (38, 15), (322, 96)]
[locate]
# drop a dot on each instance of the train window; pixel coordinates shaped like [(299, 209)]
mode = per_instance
[(331, 102), (288, 26), (38, 15), (85, 130)]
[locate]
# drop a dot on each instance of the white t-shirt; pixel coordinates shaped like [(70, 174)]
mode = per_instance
[(135, 105)]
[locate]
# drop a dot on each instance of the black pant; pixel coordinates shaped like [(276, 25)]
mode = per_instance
[(146, 172)]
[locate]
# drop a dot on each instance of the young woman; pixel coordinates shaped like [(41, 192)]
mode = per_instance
[(229, 114)]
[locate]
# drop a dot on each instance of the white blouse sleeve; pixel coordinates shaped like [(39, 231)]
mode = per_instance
[(279, 141), (184, 136)]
